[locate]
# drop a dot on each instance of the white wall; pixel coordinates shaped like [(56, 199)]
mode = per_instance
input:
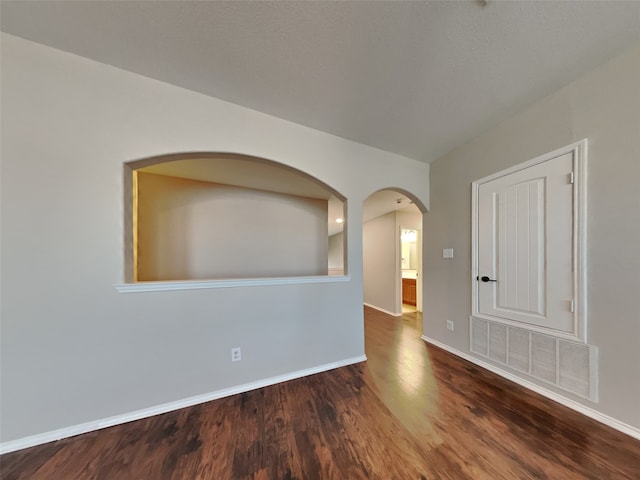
[(382, 267), (381, 270), (410, 220), (74, 349), (190, 229), (603, 106), (336, 253)]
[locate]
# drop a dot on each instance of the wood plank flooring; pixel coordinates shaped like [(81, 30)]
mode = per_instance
[(412, 411)]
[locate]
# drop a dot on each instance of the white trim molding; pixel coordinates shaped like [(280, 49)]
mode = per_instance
[(226, 283), (74, 430), (567, 402), (399, 314)]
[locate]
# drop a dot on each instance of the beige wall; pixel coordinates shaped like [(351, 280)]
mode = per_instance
[(604, 107), (336, 253), (75, 350), (380, 272), (411, 220), (382, 258), (190, 229)]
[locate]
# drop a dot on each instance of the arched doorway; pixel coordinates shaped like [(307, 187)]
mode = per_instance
[(392, 251)]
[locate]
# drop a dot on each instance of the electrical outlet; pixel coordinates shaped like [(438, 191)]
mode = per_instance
[(449, 325), (236, 354)]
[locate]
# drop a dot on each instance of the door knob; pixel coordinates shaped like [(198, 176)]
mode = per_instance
[(485, 279)]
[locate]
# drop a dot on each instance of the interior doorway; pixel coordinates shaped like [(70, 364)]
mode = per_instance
[(392, 252), (411, 269)]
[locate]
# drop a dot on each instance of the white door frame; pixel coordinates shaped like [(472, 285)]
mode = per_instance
[(579, 151)]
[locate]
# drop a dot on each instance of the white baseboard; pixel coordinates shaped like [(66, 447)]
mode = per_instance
[(383, 310), (567, 402), (73, 430)]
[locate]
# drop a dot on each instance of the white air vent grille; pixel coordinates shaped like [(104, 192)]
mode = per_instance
[(574, 368), (479, 336), (543, 357), (519, 349), (498, 342), (568, 365)]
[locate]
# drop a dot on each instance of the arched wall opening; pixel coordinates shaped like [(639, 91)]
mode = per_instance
[(219, 216), (392, 244)]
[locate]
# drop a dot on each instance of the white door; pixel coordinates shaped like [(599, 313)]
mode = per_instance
[(525, 250)]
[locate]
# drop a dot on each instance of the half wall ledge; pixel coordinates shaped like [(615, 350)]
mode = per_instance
[(227, 283)]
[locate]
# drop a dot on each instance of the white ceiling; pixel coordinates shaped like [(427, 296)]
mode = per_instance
[(414, 78)]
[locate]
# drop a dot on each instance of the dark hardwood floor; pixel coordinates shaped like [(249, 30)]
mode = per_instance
[(412, 411)]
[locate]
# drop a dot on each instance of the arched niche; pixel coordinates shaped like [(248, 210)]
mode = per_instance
[(219, 216)]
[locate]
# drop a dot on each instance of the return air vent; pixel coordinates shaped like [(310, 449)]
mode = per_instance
[(543, 357), (498, 342), (480, 337), (568, 365), (574, 364), (519, 349)]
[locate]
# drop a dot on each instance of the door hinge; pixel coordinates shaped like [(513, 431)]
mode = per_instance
[(572, 306), (572, 178)]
